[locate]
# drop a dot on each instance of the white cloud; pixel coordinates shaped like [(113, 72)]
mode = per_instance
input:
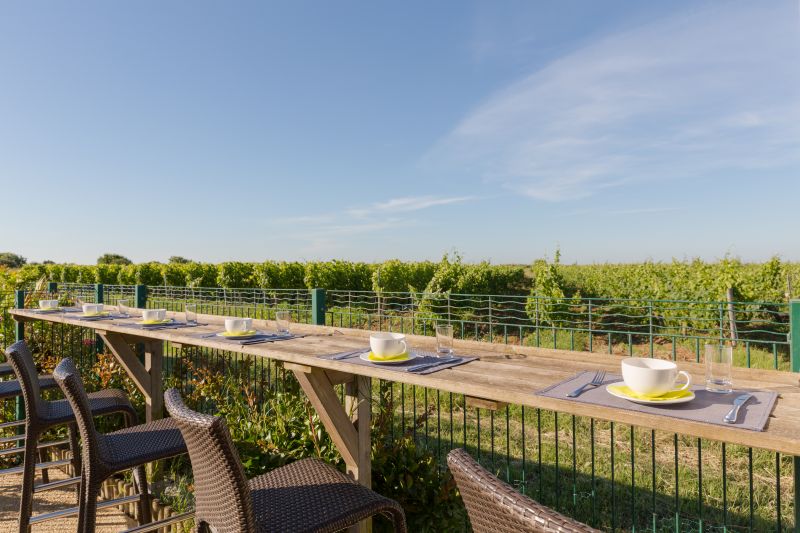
[(708, 90), (406, 204)]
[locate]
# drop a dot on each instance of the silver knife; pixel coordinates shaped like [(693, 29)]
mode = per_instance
[(426, 366), (740, 400)]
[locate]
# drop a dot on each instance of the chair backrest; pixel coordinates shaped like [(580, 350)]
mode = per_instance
[(496, 507), (67, 376), (222, 495), (21, 360)]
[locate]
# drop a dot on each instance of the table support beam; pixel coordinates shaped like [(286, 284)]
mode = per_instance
[(350, 435)]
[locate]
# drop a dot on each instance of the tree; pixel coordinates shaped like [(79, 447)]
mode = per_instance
[(179, 260), (113, 259), (10, 260)]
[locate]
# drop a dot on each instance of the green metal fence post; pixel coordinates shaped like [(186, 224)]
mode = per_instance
[(140, 294), (98, 298), (52, 287), (140, 297), (19, 333), (318, 307), (794, 352)]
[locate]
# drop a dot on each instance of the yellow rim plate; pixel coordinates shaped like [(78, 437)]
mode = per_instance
[(89, 315), (369, 357), (237, 334), (618, 394), (155, 322), (49, 309)]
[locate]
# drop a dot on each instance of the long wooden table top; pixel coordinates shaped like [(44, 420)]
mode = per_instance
[(504, 373)]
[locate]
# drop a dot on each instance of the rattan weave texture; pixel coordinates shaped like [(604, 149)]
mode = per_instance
[(305, 496), (104, 455), (495, 507), (41, 415)]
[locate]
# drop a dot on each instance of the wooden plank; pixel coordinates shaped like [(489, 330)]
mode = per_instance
[(483, 403), (322, 396), (153, 361), (128, 360), (357, 404), (504, 374)]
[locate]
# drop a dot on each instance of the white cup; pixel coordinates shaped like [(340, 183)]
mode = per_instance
[(154, 315), (48, 304), (238, 325), (652, 377), (92, 309), (387, 344)]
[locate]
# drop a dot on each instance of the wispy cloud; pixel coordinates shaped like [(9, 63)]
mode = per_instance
[(708, 91), (406, 204), (624, 212)]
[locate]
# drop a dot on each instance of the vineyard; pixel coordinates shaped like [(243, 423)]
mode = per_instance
[(679, 280)]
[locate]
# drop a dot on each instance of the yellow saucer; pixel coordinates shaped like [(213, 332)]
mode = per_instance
[(392, 359), (49, 309), (89, 315), (248, 333), (620, 390), (155, 322)]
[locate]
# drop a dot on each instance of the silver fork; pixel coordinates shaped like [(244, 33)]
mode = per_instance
[(597, 380)]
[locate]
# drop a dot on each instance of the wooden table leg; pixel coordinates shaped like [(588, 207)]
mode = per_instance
[(352, 439), (153, 361)]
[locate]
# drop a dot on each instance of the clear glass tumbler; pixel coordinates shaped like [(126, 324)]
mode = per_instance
[(719, 366), (191, 313), (444, 340), (123, 308), (282, 320)]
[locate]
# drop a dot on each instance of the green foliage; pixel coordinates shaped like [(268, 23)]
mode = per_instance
[(178, 259), (174, 274), (547, 304), (113, 259), (10, 260), (200, 275), (344, 275), (108, 274), (401, 276), (235, 274), (149, 274)]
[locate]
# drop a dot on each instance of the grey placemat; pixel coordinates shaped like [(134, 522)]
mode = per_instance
[(98, 318), (258, 338), (422, 358), (48, 312), (171, 325), (708, 407)]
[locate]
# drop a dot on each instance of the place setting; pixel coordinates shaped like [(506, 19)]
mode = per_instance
[(391, 351), (47, 307), (157, 319), (240, 331), (657, 386)]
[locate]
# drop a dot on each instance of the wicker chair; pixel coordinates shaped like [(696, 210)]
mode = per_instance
[(106, 454), (305, 496), (495, 507), (41, 415)]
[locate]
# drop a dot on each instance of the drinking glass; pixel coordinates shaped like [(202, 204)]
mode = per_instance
[(123, 308), (444, 340), (191, 314), (719, 363), (282, 320)]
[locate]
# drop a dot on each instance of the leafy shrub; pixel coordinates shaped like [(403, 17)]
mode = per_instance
[(174, 274), (108, 274), (201, 275), (9, 260), (235, 274), (113, 259), (149, 274)]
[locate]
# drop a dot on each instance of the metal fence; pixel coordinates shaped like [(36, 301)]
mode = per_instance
[(614, 476)]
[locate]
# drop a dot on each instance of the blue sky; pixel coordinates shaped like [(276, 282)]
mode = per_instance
[(617, 131)]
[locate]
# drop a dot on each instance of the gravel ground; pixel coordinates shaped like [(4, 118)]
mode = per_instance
[(108, 520)]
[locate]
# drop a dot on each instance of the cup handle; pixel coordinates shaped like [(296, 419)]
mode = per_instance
[(405, 347), (688, 380)]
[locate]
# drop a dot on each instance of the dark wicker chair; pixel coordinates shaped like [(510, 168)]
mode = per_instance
[(305, 496), (106, 454), (41, 415), (495, 507), (12, 389)]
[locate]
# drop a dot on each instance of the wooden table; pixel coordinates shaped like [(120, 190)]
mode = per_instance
[(504, 374)]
